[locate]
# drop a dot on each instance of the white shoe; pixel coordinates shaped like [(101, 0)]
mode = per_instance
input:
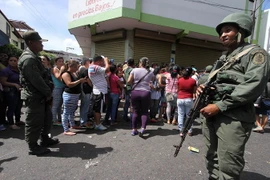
[(258, 128), (100, 127)]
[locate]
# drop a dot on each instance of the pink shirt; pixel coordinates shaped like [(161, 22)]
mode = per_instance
[(114, 88), (171, 84)]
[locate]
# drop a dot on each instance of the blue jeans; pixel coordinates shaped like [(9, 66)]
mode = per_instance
[(113, 106), (70, 103), (57, 104), (184, 106), (14, 105), (84, 109)]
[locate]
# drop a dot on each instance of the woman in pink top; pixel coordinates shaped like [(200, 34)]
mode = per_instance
[(172, 87), (115, 85), (186, 93)]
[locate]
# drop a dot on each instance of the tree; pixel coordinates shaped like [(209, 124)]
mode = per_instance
[(10, 49)]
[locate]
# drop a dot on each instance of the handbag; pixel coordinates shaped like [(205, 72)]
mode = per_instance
[(265, 99), (169, 96)]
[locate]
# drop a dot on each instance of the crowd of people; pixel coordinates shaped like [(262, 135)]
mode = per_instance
[(151, 93)]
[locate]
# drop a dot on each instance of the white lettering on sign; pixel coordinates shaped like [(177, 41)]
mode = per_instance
[(83, 8)]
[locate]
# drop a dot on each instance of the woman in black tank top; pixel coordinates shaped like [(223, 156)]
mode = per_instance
[(71, 95)]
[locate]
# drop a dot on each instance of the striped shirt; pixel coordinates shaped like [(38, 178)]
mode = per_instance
[(97, 76)]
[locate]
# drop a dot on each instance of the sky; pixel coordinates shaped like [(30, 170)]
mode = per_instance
[(266, 4), (48, 17)]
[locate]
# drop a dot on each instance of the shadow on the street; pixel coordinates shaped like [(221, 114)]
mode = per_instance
[(252, 176), (6, 160), (158, 132), (10, 133), (80, 149), (267, 130)]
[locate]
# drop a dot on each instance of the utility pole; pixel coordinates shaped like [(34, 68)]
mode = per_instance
[(253, 20)]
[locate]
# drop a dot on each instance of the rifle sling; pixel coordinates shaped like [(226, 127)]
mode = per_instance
[(230, 62)]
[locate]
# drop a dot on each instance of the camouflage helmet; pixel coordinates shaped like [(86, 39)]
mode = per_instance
[(242, 20)]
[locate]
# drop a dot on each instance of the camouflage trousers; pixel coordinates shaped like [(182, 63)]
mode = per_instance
[(225, 141)]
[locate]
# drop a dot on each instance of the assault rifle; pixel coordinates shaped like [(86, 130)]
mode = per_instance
[(200, 102)]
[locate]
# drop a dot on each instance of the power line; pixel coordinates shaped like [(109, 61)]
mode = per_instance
[(37, 15), (259, 5)]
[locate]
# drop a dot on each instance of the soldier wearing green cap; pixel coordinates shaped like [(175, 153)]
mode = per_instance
[(36, 93), (230, 117)]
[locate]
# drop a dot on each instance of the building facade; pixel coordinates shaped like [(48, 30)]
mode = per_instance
[(264, 31), (8, 33), (181, 31)]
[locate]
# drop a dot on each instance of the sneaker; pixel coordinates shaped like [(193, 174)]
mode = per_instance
[(2, 127), (87, 126), (49, 142), (38, 151), (57, 123), (153, 120), (113, 123), (100, 127), (134, 132), (14, 127), (257, 129), (141, 132)]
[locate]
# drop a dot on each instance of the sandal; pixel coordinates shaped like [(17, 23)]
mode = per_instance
[(69, 133), (174, 122)]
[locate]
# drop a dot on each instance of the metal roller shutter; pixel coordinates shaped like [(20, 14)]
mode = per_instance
[(113, 49), (187, 55), (156, 51)]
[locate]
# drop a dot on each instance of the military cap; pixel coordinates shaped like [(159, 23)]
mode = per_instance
[(32, 36), (242, 20), (208, 68)]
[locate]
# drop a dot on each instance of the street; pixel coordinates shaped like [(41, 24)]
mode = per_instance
[(115, 154)]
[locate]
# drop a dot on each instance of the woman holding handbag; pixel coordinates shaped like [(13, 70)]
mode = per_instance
[(171, 94), (141, 79)]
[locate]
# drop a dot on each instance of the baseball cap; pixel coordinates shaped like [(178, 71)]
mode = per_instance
[(194, 69), (32, 36)]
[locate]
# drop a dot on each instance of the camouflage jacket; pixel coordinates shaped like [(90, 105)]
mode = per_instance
[(239, 85), (33, 76)]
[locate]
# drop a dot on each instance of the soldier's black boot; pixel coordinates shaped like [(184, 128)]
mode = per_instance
[(47, 142), (38, 151)]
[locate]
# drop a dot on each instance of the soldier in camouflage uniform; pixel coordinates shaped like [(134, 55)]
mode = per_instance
[(37, 94), (230, 118)]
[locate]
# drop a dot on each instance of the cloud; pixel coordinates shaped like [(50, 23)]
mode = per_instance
[(13, 2), (73, 44), (49, 18), (57, 43)]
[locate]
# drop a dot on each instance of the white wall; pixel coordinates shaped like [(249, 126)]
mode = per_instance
[(78, 9), (264, 36), (189, 11), (131, 4), (3, 22)]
